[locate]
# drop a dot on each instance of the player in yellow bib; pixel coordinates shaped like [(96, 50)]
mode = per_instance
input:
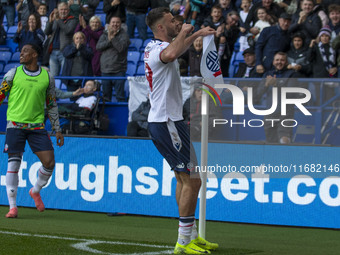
[(29, 87)]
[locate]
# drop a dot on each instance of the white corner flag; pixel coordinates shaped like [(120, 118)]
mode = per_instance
[(210, 65), (212, 74)]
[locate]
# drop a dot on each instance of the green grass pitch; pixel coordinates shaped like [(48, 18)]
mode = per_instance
[(83, 233)]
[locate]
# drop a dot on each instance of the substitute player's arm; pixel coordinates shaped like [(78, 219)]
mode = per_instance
[(183, 41), (6, 84), (52, 110)]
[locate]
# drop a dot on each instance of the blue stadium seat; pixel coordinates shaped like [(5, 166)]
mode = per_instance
[(10, 66), (135, 45), (15, 57), (141, 57), (5, 56), (131, 69), (239, 56), (102, 17), (140, 70), (133, 56), (11, 31), (100, 7), (144, 44), (149, 33), (11, 44), (1, 68), (57, 83)]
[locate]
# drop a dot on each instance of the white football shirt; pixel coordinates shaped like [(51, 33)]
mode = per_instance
[(165, 84)]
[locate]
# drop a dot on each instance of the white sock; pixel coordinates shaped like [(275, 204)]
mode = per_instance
[(185, 229), (12, 180), (194, 233), (44, 175)]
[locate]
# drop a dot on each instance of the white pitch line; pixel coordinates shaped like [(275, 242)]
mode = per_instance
[(83, 245)]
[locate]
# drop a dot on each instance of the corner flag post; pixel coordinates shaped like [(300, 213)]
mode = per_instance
[(211, 72)]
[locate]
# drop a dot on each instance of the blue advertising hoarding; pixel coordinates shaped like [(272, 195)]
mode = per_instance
[(130, 176)]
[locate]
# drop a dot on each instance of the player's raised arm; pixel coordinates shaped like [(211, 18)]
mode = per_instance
[(183, 41)]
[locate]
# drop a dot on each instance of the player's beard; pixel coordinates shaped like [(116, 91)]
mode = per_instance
[(172, 33)]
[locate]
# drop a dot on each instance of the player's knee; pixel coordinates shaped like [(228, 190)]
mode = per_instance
[(49, 164), (196, 183)]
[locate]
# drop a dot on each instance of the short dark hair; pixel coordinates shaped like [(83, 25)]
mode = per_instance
[(155, 15), (35, 47), (333, 8), (217, 6), (281, 53)]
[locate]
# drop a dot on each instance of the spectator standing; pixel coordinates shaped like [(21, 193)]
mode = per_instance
[(227, 6), (91, 9), (25, 8), (297, 56), (264, 20), (334, 20), (272, 40), (60, 27), (135, 17), (278, 77), (231, 32), (93, 31), (306, 21), (114, 8), (272, 8), (77, 7), (245, 6), (217, 22), (8, 8), (42, 11), (31, 33), (190, 61), (323, 61), (113, 44), (77, 61)]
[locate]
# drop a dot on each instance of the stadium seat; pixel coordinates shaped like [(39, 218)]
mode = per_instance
[(100, 8), (15, 57), (131, 69), (144, 44), (5, 48), (5, 56), (133, 56), (12, 45), (102, 17), (57, 83), (10, 66), (239, 56), (1, 68), (149, 33), (11, 31), (140, 70), (135, 45), (141, 57)]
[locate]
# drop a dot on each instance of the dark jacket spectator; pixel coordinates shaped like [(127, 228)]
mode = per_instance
[(297, 56), (138, 126), (92, 6), (77, 60), (272, 40), (306, 21), (114, 8), (92, 33), (114, 45), (272, 8), (3, 36), (31, 33)]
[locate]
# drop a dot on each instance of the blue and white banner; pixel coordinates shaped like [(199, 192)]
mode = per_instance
[(130, 176)]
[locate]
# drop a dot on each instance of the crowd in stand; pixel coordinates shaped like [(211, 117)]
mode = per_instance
[(74, 41)]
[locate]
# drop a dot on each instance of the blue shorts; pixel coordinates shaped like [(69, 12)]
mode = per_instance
[(38, 140), (180, 156)]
